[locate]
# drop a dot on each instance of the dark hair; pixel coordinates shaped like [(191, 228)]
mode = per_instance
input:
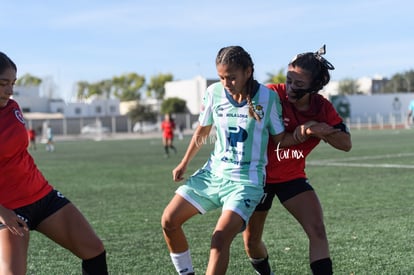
[(237, 57), (317, 66), (6, 63)]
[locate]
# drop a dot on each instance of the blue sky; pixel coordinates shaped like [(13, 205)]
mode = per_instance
[(70, 41)]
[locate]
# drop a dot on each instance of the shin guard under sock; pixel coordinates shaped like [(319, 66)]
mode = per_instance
[(95, 266), (182, 262), (261, 266), (322, 267)]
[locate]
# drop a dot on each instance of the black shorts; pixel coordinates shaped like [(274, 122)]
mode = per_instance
[(33, 214), (283, 191)]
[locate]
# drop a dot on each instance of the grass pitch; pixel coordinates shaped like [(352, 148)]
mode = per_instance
[(122, 187)]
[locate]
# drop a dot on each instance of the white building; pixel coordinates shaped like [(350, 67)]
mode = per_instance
[(330, 89), (94, 107), (30, 101), (189, 90), (365, 86)]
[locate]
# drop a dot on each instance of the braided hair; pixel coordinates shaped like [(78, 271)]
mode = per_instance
[(237, 57)]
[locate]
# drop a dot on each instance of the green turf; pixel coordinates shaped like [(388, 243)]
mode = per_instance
[(122, 188)]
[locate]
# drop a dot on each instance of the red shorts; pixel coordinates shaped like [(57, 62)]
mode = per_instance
[(168, 135)]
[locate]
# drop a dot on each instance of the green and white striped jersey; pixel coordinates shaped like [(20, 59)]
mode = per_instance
[(241, 141)]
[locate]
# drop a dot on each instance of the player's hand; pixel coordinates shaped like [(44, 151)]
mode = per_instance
[(12, 222), (178, 172), (300, 134), (321, 130)]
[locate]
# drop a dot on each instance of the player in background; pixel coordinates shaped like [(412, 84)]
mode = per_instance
[(29, 202), (168, 127), (410, 113), (31, 133), (50, 143), (244, 114), (307, 74)]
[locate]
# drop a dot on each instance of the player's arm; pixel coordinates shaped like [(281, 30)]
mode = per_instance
[(340, 139), (300, 134), (199, 138), (285, 139)]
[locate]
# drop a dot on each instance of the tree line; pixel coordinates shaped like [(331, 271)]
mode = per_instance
[(126, 87)]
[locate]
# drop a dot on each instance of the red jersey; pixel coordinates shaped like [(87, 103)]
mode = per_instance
[(168, 128), (32, 134), (285, 164), (21, 182)]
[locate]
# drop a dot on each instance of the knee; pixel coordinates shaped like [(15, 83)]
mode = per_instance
[(99, 245), (251, 241), (220, 240), (90, 242), (88, 248), (217, 240), (317, 231), (168, 222)]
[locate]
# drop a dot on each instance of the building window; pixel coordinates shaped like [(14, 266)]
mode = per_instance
[(112, 109), (59, 110), (98, 109), (26, 110), (78, 111)]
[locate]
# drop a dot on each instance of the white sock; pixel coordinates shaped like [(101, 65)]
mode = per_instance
[(182, 262)]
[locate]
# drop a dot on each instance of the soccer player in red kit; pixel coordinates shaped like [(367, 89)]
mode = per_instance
[(168, 127), (28, 201), (285, 172), (31, 133)]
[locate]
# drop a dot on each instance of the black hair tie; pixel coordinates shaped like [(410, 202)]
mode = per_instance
[(324, 62)]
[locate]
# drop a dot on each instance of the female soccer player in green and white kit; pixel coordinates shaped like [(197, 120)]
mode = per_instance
[(244, 114)]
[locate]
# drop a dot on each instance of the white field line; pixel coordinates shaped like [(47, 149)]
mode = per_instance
[(344, 162)]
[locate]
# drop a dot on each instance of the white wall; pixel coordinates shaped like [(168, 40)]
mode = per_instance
[(29, 91), (29, 99), (33, 104), (93, 108), (189, 90), (385, 105)]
